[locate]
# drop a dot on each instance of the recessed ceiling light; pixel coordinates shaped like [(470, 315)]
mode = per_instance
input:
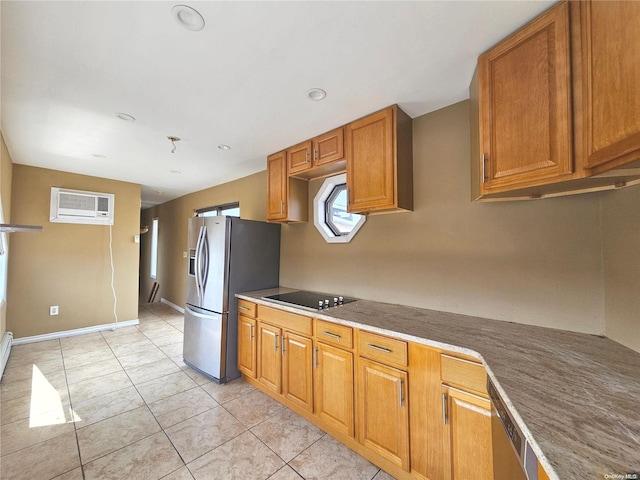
[(222, 146), (98, 155), (126, 117), (188, 17), (316, 94), (175, 171)]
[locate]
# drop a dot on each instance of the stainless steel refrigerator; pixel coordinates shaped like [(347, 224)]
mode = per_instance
[(227, 255)]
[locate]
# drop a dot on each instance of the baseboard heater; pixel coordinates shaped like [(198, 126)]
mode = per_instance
[(5, 350)]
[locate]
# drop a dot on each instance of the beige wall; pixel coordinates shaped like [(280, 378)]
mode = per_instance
[(621, 234), (6, 168), (530, 262), (69, 265), (173, 216), (567, 263)]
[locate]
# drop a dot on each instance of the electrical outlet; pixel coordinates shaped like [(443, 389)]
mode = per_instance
[(53, 310), (136, 239)]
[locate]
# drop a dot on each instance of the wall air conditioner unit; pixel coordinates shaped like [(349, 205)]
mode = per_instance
[(76, 206)]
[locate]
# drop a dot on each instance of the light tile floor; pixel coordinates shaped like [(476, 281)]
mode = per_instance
[(122, 405)]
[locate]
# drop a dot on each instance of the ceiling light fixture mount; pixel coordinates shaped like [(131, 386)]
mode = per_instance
[(316, 94), (173, 141), (125, 116), (222, 146), (188, 17)]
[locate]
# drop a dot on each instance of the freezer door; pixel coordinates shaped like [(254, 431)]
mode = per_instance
[(193, 292), (205, 341)]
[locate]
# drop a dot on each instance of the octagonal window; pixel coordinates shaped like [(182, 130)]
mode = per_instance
[(331, 217)]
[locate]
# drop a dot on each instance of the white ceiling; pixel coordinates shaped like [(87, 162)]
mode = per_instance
[(68, 67)]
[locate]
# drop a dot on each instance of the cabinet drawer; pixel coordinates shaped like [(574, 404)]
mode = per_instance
[(287, 320), (246, 308), (464, 374), (383, 349), (334, 334)]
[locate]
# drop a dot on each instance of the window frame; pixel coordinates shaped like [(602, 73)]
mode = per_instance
[(218, 209), (321, 212)]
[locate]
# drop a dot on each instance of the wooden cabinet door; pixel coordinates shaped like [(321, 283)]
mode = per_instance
[(270, 361), (247, 354), (334, 387), (525, 106), (371, 164), (383, 412), (277, 186), (298, 370), (611, 82), (329, 147), (299, 157), (467, 435)]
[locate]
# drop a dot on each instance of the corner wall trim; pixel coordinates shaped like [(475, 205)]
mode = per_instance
[(172, 305), (74, 332)]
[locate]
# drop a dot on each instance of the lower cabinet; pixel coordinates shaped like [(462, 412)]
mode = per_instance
[(333, 382), (269, 357), (355, 385), (247, 345), (297, 369), (467, 420), (383, 412)]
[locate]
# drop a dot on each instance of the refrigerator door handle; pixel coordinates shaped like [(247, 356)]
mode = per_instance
[(205, 260), (198, 271)]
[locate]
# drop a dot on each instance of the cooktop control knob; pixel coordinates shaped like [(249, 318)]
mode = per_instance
[(320, 304), (326, 303)]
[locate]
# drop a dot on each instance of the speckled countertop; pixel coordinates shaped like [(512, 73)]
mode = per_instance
[(576, 397)]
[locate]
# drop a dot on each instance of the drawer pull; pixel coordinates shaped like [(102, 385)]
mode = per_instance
[(242, 307), (380, 349), (332, 335)]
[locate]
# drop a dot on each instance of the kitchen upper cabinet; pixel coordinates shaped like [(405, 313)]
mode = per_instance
[(323, 155), (287, 198), (247, 345), (555, 107), (525, 106), (611, 83), (299, 157), (379, 156)]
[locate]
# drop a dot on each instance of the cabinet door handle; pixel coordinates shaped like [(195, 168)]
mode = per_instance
[(484, 167), (332, 335), (380, 349), (275, 343), (282, 207), (283, 342), (444, 408), (306, 156), (315, 357), (315, 154), (250, 332), (400, 391)]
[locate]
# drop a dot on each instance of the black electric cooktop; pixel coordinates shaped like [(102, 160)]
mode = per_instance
[(310, 300)]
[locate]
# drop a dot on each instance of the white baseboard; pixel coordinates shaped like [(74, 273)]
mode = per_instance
[(5, 349), (74, 332), (172, 305)]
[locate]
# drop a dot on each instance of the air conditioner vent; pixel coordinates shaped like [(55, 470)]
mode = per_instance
[(76, 206)]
